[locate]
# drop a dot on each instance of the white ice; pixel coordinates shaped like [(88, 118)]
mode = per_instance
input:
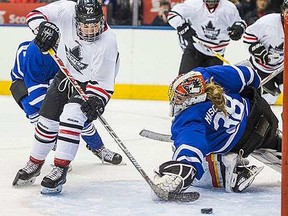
[(94, 188)]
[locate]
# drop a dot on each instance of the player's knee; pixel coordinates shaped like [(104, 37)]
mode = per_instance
[(73, 114), (48, 124)]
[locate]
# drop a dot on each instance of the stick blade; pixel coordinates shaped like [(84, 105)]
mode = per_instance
[(184, 197), (175, 197), (155, 136)]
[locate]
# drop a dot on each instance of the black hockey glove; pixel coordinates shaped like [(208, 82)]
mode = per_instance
[(236, 31), (186, 32), (259, 52), (93, 108), (47, 37)]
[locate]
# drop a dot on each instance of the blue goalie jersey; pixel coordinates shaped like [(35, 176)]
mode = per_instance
[(201, 129), (37, 71)]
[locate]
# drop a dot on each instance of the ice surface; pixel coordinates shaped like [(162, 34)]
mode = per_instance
[(94, 188)]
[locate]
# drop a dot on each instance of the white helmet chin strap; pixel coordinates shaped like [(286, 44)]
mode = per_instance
[(176, 109)]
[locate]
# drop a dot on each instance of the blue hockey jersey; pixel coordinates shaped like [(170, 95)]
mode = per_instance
[(200, 129), (37, 71)]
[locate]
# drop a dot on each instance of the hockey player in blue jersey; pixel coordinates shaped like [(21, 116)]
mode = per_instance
[(217, 110), (31, 75)]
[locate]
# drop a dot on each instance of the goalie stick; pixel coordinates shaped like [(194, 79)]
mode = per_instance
[(266, 156), (164, 195)]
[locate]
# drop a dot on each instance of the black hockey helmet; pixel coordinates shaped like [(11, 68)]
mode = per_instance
[(211, 3), (89, 19)]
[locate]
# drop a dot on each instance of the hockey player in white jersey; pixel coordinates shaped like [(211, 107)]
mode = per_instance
[(265, 42), (213, 22), (31, 76), (217, 110), (88, 48)]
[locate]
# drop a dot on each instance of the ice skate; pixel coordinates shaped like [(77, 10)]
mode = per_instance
[(52, 183), (245, 177), (107, 155), (28, 174)]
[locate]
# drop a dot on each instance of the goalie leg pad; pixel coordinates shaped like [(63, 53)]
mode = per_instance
[(230, 161), (180, 173)]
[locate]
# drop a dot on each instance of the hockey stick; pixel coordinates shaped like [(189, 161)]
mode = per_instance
[(164, 195), (272, 75), (265, 156), (216, 54)]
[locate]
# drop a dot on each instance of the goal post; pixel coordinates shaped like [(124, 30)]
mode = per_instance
[(284, 180)]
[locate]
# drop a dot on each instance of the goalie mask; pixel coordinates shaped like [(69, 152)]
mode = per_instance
[(211, 3), (186, 90), (89, 19)]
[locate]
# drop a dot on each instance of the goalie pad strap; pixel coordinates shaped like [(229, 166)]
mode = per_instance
[(261, 125), (18, 91)]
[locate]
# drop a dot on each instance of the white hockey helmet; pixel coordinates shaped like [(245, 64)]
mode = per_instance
[(89, 19), (186, 90)]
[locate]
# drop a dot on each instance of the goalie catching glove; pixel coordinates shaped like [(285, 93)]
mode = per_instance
[(174, 176), (47, 36)]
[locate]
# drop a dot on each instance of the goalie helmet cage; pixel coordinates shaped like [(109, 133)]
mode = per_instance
[(284, 186)]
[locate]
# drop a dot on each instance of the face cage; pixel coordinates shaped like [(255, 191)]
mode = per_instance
[(179, 101), (90, 37)]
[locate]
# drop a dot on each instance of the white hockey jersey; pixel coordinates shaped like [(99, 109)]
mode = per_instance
[(86, 61), (210, 26), (269, 31)]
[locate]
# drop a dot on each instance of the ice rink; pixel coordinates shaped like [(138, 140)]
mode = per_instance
[(94, 188)]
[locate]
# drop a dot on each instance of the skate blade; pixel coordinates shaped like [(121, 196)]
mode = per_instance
[(51, 191), (22, 183)]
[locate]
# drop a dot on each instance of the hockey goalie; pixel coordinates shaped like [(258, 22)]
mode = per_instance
[(219, 120)]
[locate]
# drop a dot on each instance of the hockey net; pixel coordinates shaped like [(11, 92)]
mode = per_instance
[(284, 188)]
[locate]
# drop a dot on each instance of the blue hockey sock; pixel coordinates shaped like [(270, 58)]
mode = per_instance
[(91, 136)]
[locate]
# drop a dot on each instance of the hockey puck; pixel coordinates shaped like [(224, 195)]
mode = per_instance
[(206, 210)]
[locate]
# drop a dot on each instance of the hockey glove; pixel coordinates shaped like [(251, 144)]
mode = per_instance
[(176, 176), (259, 52), (236, 30), (47, 37), (186, 32), (93, 108)]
